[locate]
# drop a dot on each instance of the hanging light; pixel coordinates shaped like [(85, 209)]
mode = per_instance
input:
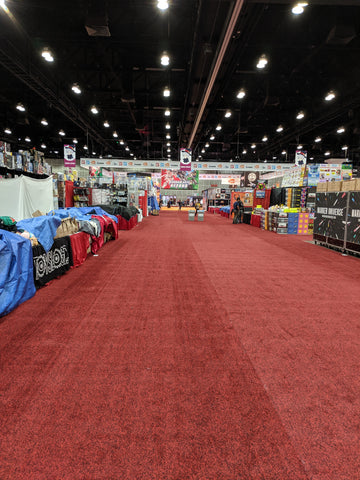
[(300, 115), (47, 55), (340, 130), (299, 147), (27, 139), (106, 124), (167, 113), (330, 96), (327, 153), (166, 92), (127, 149), (203, 150), (8, 131), (44, 122), (207, 145), (228, 114), (168, 150), (283, 152), (121, 142), (265, 138), (241, 93), (280, 128), (3, 6), (20, 107), (115, 135), (317, 139), (85, 147), (75, 88), (62, 133), (168, 136), (163, 4), (262, 62), (94, 110), (131, 154), (165, 59), (298, 9), (43, 146), (168, 144), (344, 147), (212, 137), (253, 145), (75, 140), (168, 126), (244, 152), (218, 127)]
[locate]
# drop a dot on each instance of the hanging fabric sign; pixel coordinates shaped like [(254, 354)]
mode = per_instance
[(185, 159), (300, 158), (69, 156)]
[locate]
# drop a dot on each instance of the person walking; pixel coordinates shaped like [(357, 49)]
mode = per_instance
[(197, 207), (238, 210)]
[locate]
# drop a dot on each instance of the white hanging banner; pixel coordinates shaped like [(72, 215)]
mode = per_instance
[(69, 156), (300, 158), (185, 159)]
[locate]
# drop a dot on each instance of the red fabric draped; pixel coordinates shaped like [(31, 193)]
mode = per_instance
[(79, 246)]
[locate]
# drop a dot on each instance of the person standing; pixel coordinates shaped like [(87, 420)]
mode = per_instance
[(238, 210), (197, 207)]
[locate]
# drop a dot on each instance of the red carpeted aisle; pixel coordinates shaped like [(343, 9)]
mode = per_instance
[(159, 359)]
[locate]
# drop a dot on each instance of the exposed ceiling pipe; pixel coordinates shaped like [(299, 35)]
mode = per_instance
[(211, 80)]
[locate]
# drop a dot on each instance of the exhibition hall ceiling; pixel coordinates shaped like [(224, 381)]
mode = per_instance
[(248, 80)]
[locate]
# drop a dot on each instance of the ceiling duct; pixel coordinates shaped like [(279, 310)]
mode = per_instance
[(341, 35), (97, 21)]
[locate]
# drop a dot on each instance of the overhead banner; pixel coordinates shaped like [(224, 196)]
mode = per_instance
[(185, 159), (226, 167), (69, 156), (178, 180), (232, 181), (300, 158)]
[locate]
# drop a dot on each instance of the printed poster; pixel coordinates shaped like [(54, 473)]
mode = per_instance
[(185, 160), (179, 180), (69, 156)]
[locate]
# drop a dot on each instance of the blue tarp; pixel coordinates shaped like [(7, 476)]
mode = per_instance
[(81, 213), (225, 209), (153, 203), (43, 228), (16, 271)]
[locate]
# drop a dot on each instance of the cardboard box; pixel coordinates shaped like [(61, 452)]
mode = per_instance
[(348, 185), (334, 186), (322, 187)]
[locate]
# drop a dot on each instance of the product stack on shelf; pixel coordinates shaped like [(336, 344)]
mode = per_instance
[(82, 197), (280, 222), (264, 219), (293, 223)]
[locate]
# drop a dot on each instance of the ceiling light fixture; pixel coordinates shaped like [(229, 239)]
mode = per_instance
[(253, 145), (166, 92), (298, 9), (207, 145), (265, 138), (62, 133), (165, 59), (168, 136), (167, 113), (106, 124), (280, 128), (168, 150), (131, 154), (44, 122), (327, 153), (300, 147), (218, 127), (244, 152), (75, 88), (121, 142), (330, 96), (75, 140), (340, 130), (163, 4), (317, 139), (344, 147), (300, 115), (168, 144), (115, 135), (212, 137), (85, 147), (20, 107), (27, 139), (228, 114), (8, 131), (168, 126), (283, 152), (94, 110), (47, 55), (241, 94), (127, 149), (3, 6), (262, 62), (43, 146), (203, 150)]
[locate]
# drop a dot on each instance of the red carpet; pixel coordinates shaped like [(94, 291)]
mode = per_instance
[(204, 351)]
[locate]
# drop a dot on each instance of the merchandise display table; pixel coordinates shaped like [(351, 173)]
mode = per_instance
[(255, 220), (124, 224), (80, 244)]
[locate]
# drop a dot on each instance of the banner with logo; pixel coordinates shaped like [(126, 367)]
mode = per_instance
[(69, 156), (179, 180), (330, 215), (235, 180), (185, 159)]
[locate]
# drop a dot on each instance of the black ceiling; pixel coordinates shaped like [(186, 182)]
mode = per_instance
[(121, 74)]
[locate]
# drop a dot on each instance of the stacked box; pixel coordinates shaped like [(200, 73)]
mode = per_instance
[(303, 228), (280, 222), (293, 222), (288, 197), (303, 197), (348, 185), (264, 220), (296, 197), (323, 186), (335, 186), (311, 198)]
